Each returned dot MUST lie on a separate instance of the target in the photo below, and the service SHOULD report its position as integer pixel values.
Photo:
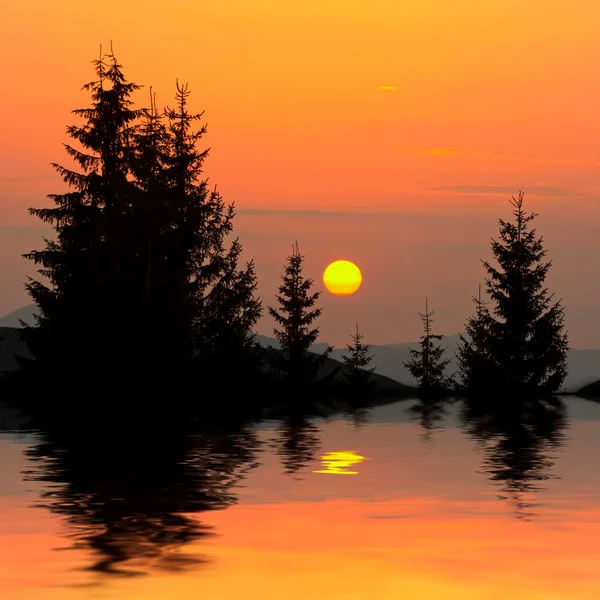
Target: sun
(342, 278)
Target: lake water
(407, 501)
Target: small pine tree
(473, 356)
(427, 364)
(357, 361)
(295, 317)
(520, 347)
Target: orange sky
(387, 106)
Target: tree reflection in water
(518, 439)
(429, 413)
(297, 443)
(129, 496)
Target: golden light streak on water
(338, 462)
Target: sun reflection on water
(337, 462)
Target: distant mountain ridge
(12, 318)
(584, 365)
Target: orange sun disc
(342, 278)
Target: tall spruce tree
(81, 313)
(427, 364)
(162, 324)
(220, 301)
(295, 318)
(520, 347)
(357, 361)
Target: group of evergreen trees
(518, 349)
(140, 275)
(143, 281)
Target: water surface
(407, 500)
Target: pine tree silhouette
(163, 320)
(83, 311)
(220, 296)
(520, 347)
(295, 317)
(427, 364)
(473, 356)
(357, 361)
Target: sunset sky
(390, 133)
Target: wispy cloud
(387, 88)
(445, 151)
(299, 212)
(28, 178)
(460, 152)
(534, 190)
